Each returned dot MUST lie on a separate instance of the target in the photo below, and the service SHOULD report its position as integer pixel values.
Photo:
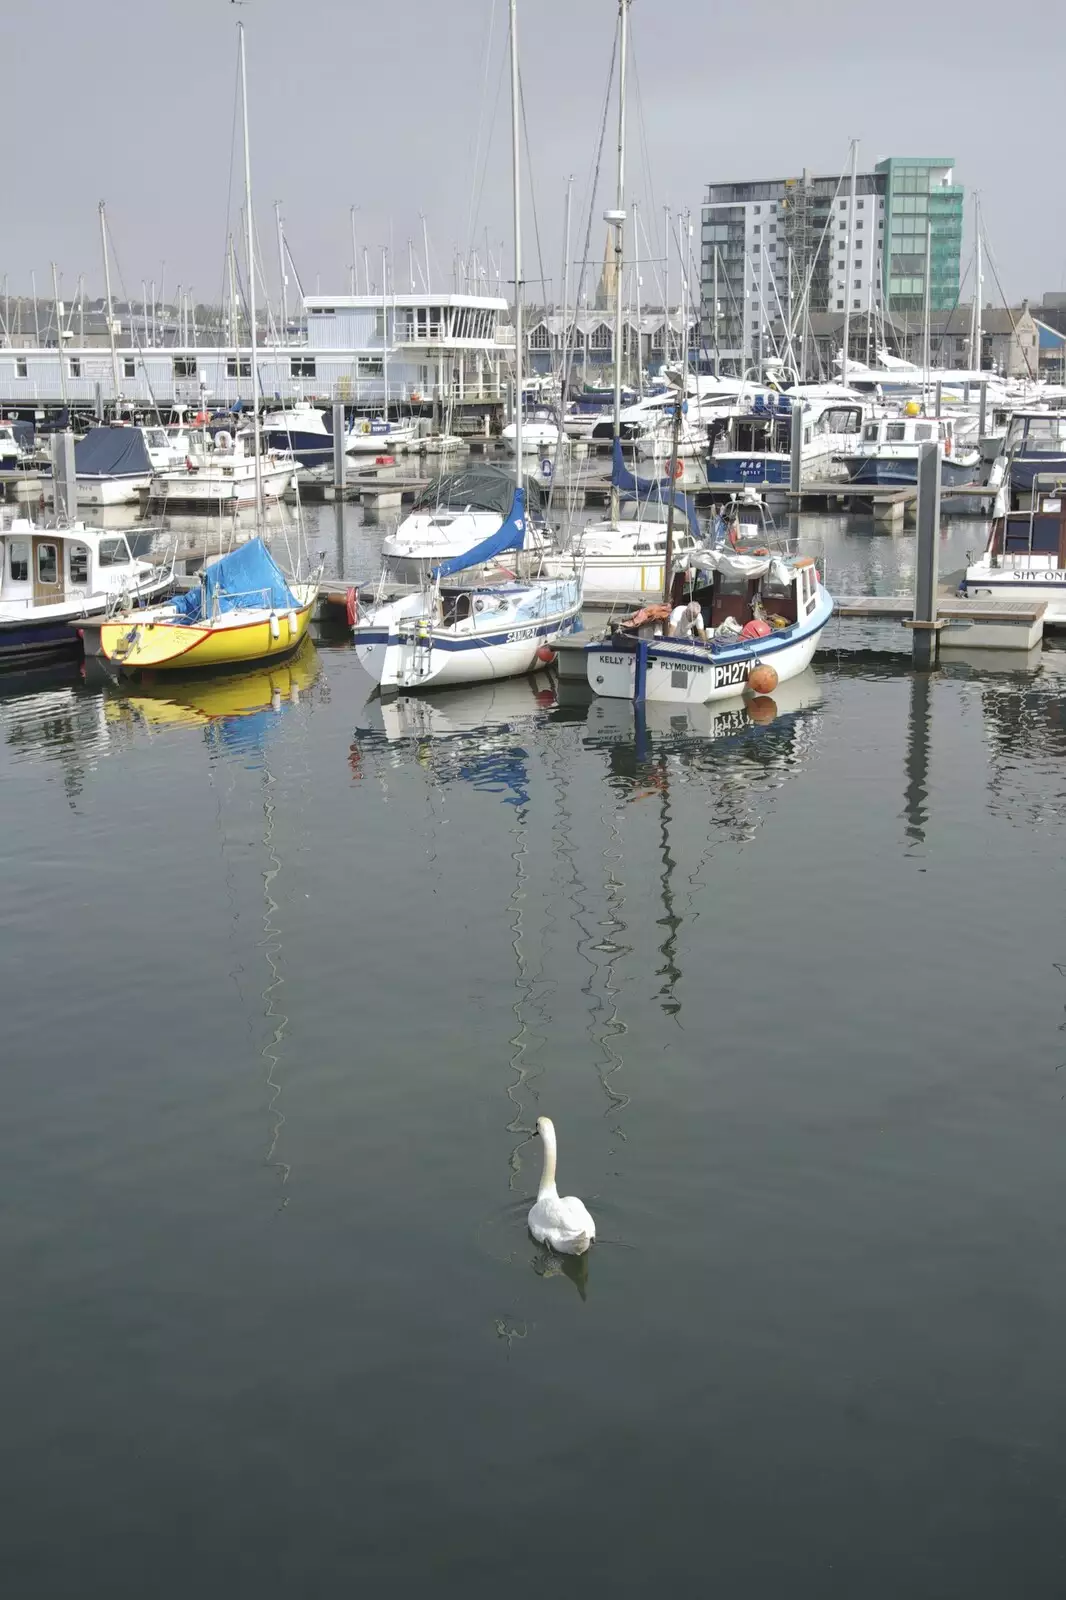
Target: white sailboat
(499, 624)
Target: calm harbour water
(289, 978)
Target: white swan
(563, 1224)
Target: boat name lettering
(518, 634)
(1048, 575)
(615, 661)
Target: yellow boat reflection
(175, 702)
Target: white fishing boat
(490, 626)
(540, 433)
(16, 445)
(751, 442)
(756, 621)
(378, 436)
(304, 431)
(455, 513)
(1025, 558)
(52, 579)
(220, 471)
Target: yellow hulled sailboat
(245, 610)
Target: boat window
(113, 553)
(19, 560)
(923, 430)
(47, 564)
(1040, 432)
(79, 563)
(869, 433)
(896, 430)
(155, 438)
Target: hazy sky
(379, 105)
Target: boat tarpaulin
(476, 488)
(661, 489)
(510, 535)
(248, 577)
(112, 453)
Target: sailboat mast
(282, 274)
(516, 180)
(620, 212)
(385, 332)
(107, 291)
(251, 279)
(978, 334)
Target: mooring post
(924, 634)
(982, 410)
(939, 396)
(796, 462)
(340, 460)
(64, 477)
(98, 401)
(640, 671)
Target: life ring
(352, 607)
(679, 469)
(947, 445)
(365, 428)
(803, 561)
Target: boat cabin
(45, 566)
(1039, 530)
(908, 433)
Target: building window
(756, 210)
(540, 338)
(843, 205)
(840, 305)
(323, 311)
(232, 365)
(129, 367)
(184, 366)
(856, 305)
(370, 367)
(858, 283)
(756, 228)
(858, 263)
(858, 224)
(75, 372)
(379, 324)
(600, 337)
(860, 204)
(21, 369)
(302, 367)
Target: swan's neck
(547, 1171)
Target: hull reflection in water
(456, 711)
(658, 720)
(198, 700)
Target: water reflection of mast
(271, 947)
(916, 793)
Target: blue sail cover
(246, 579)
(112, 453)
(510, 535)
(660, 489)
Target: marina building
(774, 246)
(442, 350)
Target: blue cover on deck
(112, 453)
(510, 535)
(247, 578)
(660, 489)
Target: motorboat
(53, 579)
(16, 445)
(378, 436)
(752, 442)
(454, 513)
(114, 464)
(1035, 445)
(1025, 558)
(305, 431)
(886, 454)
(760, 614)
(220, 470)
(540, 432)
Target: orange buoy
(546, 655)
(762, 709)
(762, 679)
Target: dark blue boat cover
(112, 453)
(245, 579)
(660, 489)
(510, 535)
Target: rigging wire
(480, 124)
